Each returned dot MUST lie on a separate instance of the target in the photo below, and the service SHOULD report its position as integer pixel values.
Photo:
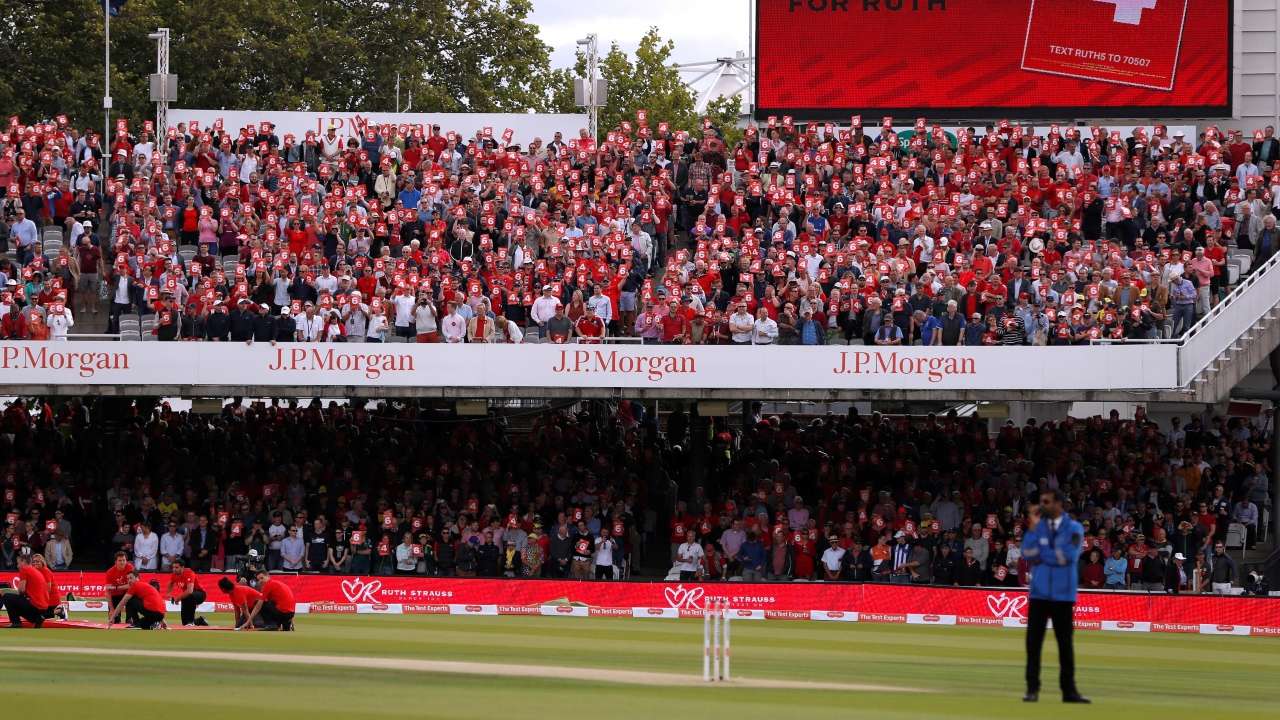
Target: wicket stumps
(715, 640)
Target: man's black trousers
(1062, 614)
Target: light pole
(160, 89)
(106, 83)
(592, 102)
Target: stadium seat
(1236, 534)
(1245, 259)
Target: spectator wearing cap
(900, 559)
(809, 330)
(1177, 578)
(241, 321)
(544, 309)
(888, 334)
(286, 327)
(558, 329)
(648, 323)
(215, 323)
(590, 328)
(264, 325)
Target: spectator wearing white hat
(544, 308)
(1176, 577)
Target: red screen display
(971, 58)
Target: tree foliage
(452, 56)
(724, 113)
(323, 55)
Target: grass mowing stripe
(978, 671)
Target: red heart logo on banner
(680, 597)
(1003, 606)
(357, 590)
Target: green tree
(451, 55)
(725, 113)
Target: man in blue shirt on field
(1051, 547)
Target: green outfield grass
(969, 672)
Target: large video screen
(826, 59)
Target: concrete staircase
(1236, 336)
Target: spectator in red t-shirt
(589, 327)
(276, 606)
(243, 600)
(184, 587)
(145, 601)
(32, 598)
(116, 584)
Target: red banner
(1026, 58)
(1139, 612)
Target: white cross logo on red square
(1129, 12)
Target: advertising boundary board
(1142, 366)
(839, 602)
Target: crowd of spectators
(337, 489)
(596, 492)
(891, 507)
(797, 234)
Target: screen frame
(1041, 112)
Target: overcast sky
(702, 30)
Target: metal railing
(1254, 296)
(1224, 324)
